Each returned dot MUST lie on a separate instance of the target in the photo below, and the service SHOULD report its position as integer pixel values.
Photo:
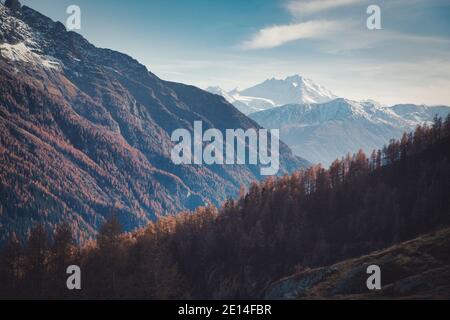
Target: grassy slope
(416, 269)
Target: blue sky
(234, 43)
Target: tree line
(312, 218)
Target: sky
(239, 43)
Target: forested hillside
(280, 226)
(85, 130)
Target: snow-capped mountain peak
(277, 92)
(293, 89)
(21, 44)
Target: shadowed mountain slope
(85, 133)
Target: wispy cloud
(339, 34)
(304, 7)
(278, 35)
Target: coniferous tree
(379, 161)
(11, 268)
(373, 160)
(437, 128)
(61, 255)
(447, 126)
(110, 256)
(335, 170)
(313, 218)
(36, 261)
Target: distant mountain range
(320, 127)
(324, 132)
(85, 133)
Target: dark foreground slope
(283, 226)
(416, 269)
(86, 132)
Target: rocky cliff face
(85, 132)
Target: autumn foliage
(313, 218)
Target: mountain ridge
(86, 133)
(323, 132)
